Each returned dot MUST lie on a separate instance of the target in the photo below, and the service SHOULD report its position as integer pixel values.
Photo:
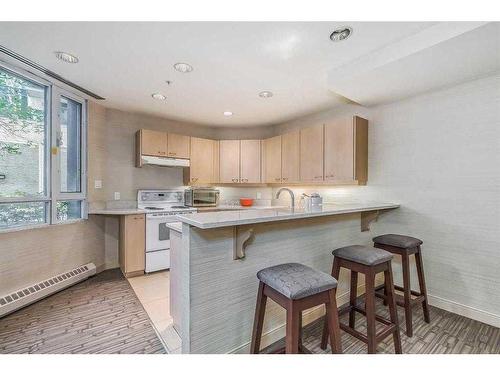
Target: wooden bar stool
(369, 261)
(296, 287)
(406, 246)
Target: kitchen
(180, 209)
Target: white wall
(438, 155)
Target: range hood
(164, 162)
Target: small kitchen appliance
(161, 206)
(201, 197)
(312, 201)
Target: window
(42, 149)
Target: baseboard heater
(25, 296)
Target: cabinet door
(132, 244)
(339, 150)
(250, 161)
(290, 150)
(311, 154)
(229, 161)
(178, 146)
(272, 159)
(153, 143)
(202, 160)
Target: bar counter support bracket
(367, 217)
(241, 237)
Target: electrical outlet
(117, 195)
(98, 184)
(259, 195)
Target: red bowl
(246, 202)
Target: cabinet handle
(318, 177)
(172, 153)
(277, 179)
(285, 178)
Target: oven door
(157, 233)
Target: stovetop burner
(153, 208)
(180, 207)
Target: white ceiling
(233, 62)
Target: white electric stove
(161, 207)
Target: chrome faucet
(292, 196)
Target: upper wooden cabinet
(250, 165)
(229, 161)
(271, 153)
(311, 154)
(153, 143)
(203, 162)
(290, 157)
(346, 150)
(240, 161)
(332, 153)
(156, 143)
(178, 146)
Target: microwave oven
(201, 197)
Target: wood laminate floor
(103, 315)
(99, 315)
(447, 333)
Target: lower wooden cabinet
(132, 244)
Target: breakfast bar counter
(206, 220)
(216, 256)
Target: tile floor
(153, 291)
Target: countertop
(177, 226)
(117, 211)
(207, 220)
(135, 211)
(227, 207)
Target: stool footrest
(399, 298)
(353, 332)
(389, 328)
(346, 309)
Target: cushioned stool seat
(296, 288)
(296, 281)
(368, 256)
(398, 240)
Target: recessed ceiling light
(183, 67)
(158, 96)
(228, 113)
(265, 94)
(66, 57)
(341, 34)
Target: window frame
(52, 173)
